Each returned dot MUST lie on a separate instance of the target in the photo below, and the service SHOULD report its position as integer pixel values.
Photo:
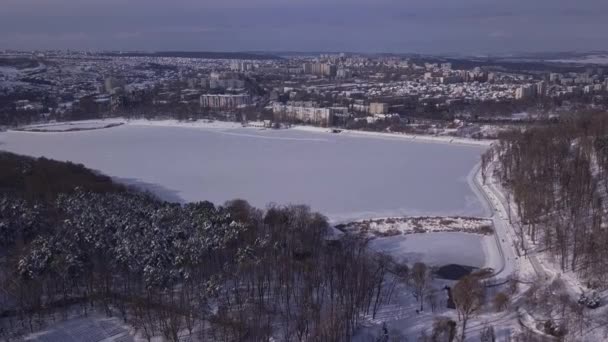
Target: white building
(241, 66)
(378, 108)
(225, 101)
(311, 115)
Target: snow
(418, 138)
(410, 225)
(202, 124)
(93, 328)
(348, 176)
(591, 59)
(345, 176)
(73, 126)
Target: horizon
(276, 53)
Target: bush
(501, 301)
(486, 230)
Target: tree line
(557, 177)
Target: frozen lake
(345, 176)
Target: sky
(399, 26)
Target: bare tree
(444, 330)
(487, 334)
(420, 280)
(501, 301)
(468, 296)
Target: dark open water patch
(454, 272)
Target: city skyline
(438, 26)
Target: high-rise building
(541, 88)
(524, 92)
(343, 73)
(554, 77)
(241, 66)
(328, 70)
(307, 68)
(321, 69)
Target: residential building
(541, 88)
(310, 115)
(343, 73)
(225, 101)
(524, 92)
(241, 66)
(321, 69)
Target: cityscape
(419, 94)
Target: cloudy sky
(426, 26)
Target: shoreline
(216, 124)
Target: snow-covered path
(500, 203)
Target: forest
(557, 179)
(71, 239)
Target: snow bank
(72, 126)
(207, 124)
(412, 137)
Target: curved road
(503, 230)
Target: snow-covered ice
(438, 249)
(346, 177)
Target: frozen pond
(345, 176)
(438, 249)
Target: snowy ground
(409, 225)
(413, 137)
(496, 251)
(84, 329)
(345, 176)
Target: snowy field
(345, 176)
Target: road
(504, 242)
(500, 203)
(505, 230)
